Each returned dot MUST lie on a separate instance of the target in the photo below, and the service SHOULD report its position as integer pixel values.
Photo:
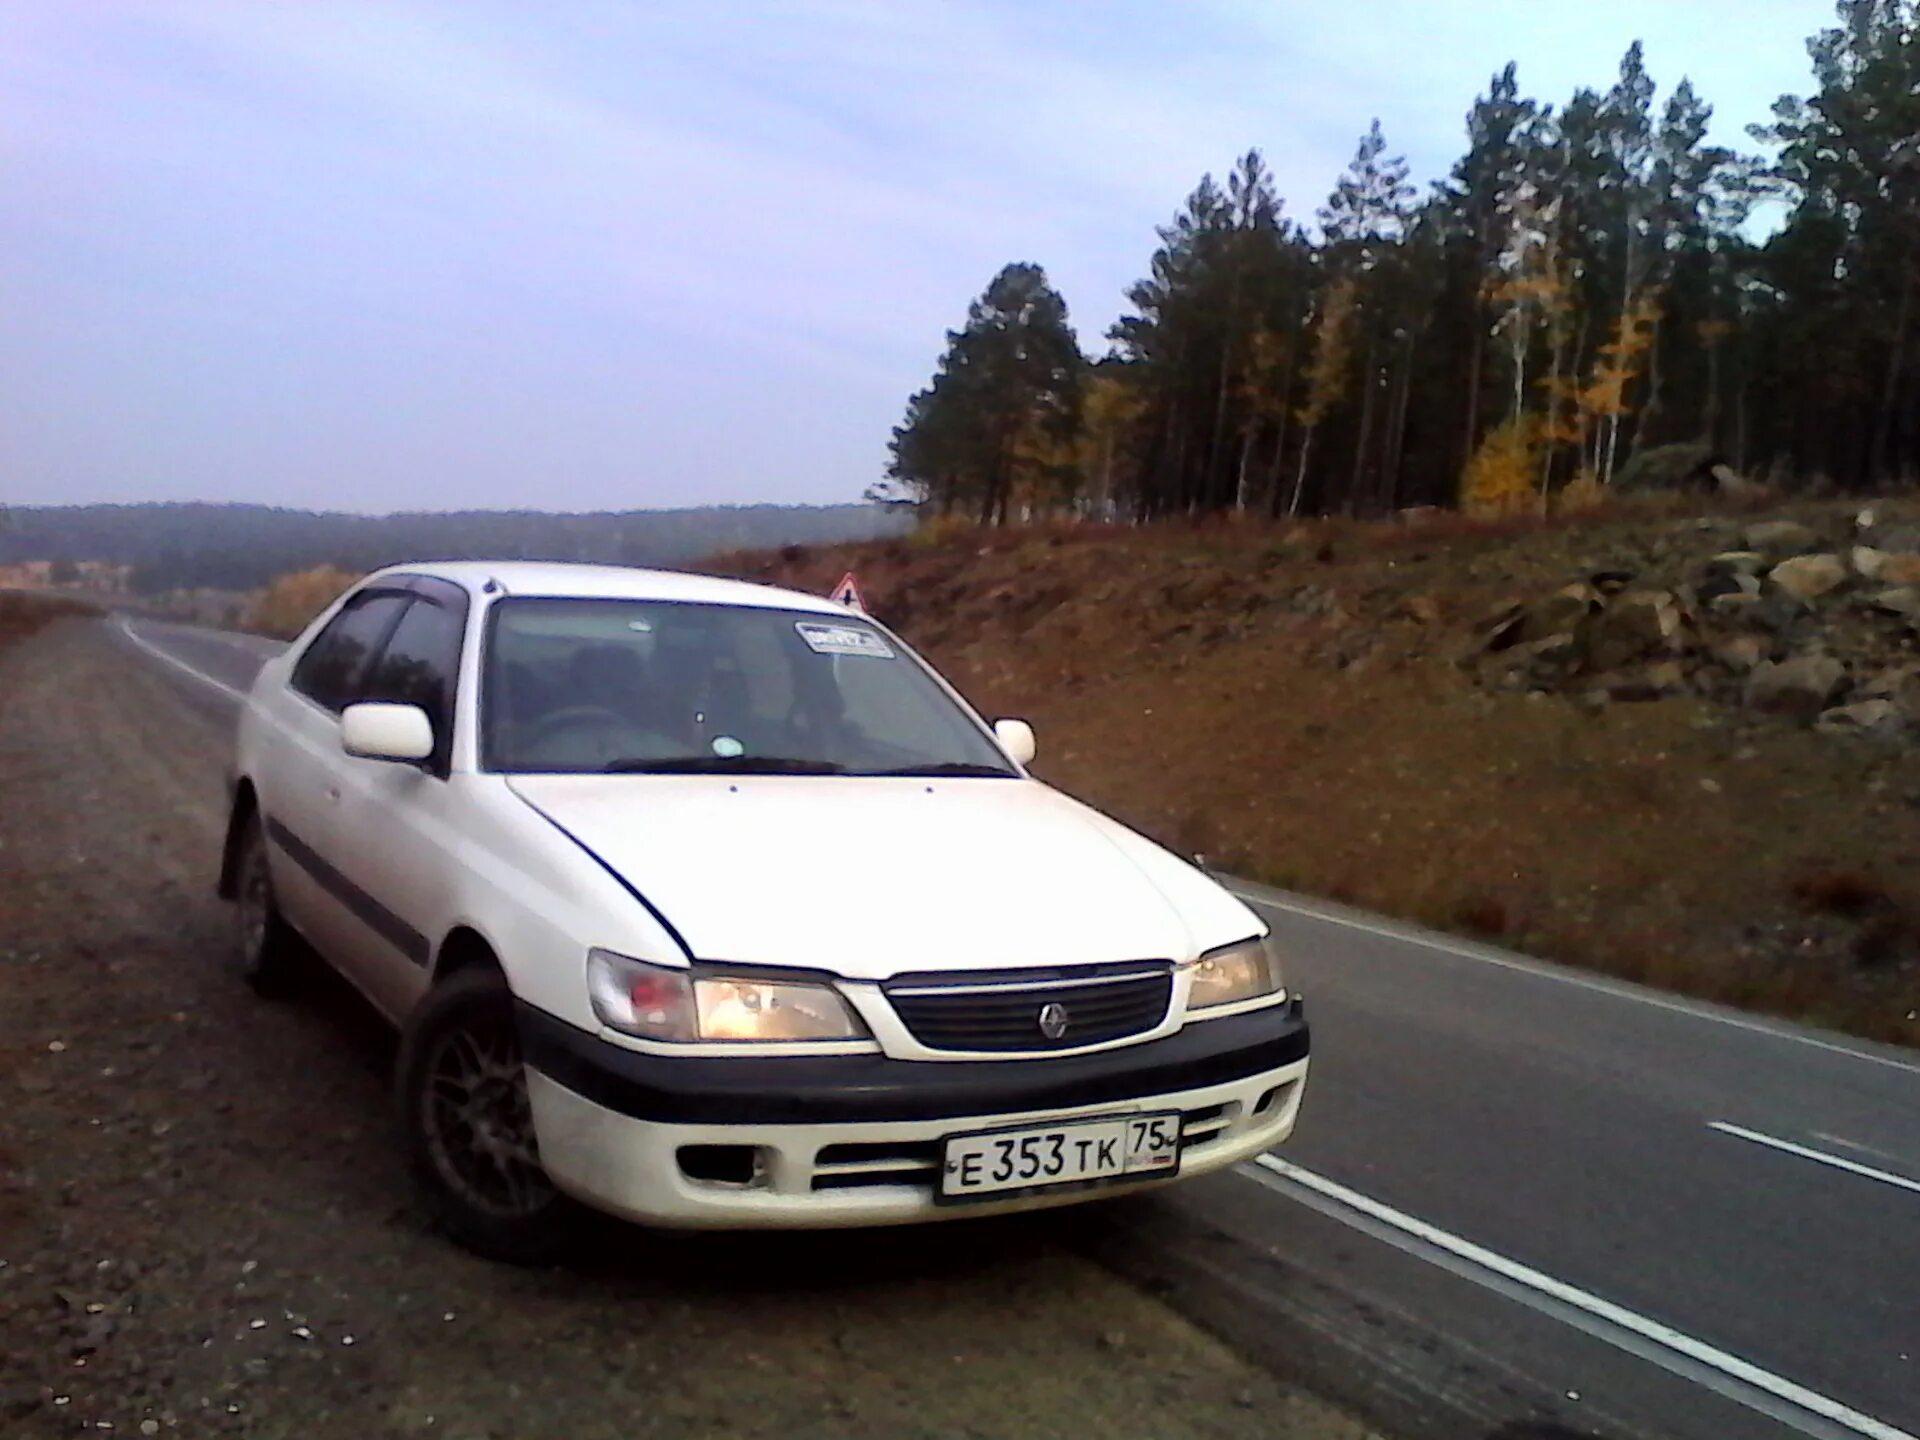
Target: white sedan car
(711, 904)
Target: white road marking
(1846, 1144)
(1263, 896)
(177, 663)
(1838, 1162)
(1618, 1324)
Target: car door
(299, 774)
(396, 824)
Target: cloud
(360, 252)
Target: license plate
(1072, 1152)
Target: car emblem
(1053, 1020)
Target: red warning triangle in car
(847, 592)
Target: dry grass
(21, 613)
(286, 606)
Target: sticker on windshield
(728, 748)
(843, 640)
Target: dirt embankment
(205, 1228)
(1314, 706)
(22, 614)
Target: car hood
(874, 876)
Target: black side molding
(825, 1089)
(369, 911)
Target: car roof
(560, 580)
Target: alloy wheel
(478, 1122)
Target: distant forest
(1592, 297)
(242, 547)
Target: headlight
(1246, 971)
(656, 1003)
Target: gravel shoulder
(205, 1227)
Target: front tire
(468, 1126)
(267, 950)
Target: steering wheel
(572, 717)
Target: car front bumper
(856, 1139)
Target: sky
(639, 253)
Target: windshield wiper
(944, 767)
(723, 765)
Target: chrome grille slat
(1022, 985)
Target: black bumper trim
(827, 1089)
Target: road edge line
(1805, 1152)
(1611, 1316)
(177, 663)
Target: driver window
(889, 712)
(329, 672)
(418, 667)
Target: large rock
(1535, 664)
(1638, 624)
(1900, 539)
(1798, 688)
(1890, 683)
(1898, 569)
(1881, 719)
(1561, 613)
(1808, 577)
(1867, 561)
(1741, 653)
(1780, 538)
(1779, 612)
(1903, 601)
(1496, 629)
(1719, 581)
(1608, 583)
(1737, 562)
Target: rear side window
(329, 672)
(419, 665)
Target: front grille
(1004, 1009)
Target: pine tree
(1584, 284)
(996, 425)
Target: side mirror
(1016, 738)
(374, 730)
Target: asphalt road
(1526, 1202)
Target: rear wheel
(267, 950)
(468, 1125)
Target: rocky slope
(1810, 622)
(1668, 744)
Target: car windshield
(638, 687)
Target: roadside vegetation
(284, 607)
(1593, 299)
(22, 615)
